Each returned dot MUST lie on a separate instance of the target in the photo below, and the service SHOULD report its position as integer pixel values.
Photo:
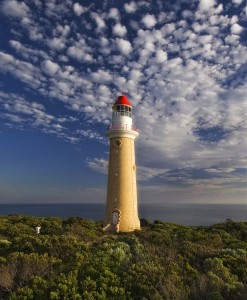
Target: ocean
(185, 214)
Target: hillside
(74, 259)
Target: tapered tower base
(121, 211)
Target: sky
(183, 66)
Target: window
(117, 143)
(123, 110)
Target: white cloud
(78, 53)
(135, 75)
(149, 21)
(64, 87)
(236, 29)
(12, 118)
(99, 165)
(232, 39)
(219, 9)
(27, 52)
(124, 46)
(101, 76)
(167, 29)
(206, 4)
(237, 2)
(130, 7)
(187, 13)
(62, 30)
(98, 20)
(56, 43)
(32, 28)
(220, 170)
(205, 39)
(57, 10)
(75, 52)
(195, 191)
(104, 42)
(91, 135)
(50, 67)
(234, 19)
(21, 110)
(113, 13)
(197, 27)
(22, 70)
(161, 56)
(146, 173)
(15, 44)
(14, 8)
(78, 9)
(28, 114)
(119, 30)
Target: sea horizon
(184, 214)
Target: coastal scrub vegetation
(74, 259)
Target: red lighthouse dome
(122, 100)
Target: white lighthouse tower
(121, 208)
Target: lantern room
(122, 114)
(122, 107)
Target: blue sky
(182, 64)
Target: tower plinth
(121, 206)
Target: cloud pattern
(183, 65)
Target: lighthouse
(121, 206)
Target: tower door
(115, 218)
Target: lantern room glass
(122, 110)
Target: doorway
(115, 218)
